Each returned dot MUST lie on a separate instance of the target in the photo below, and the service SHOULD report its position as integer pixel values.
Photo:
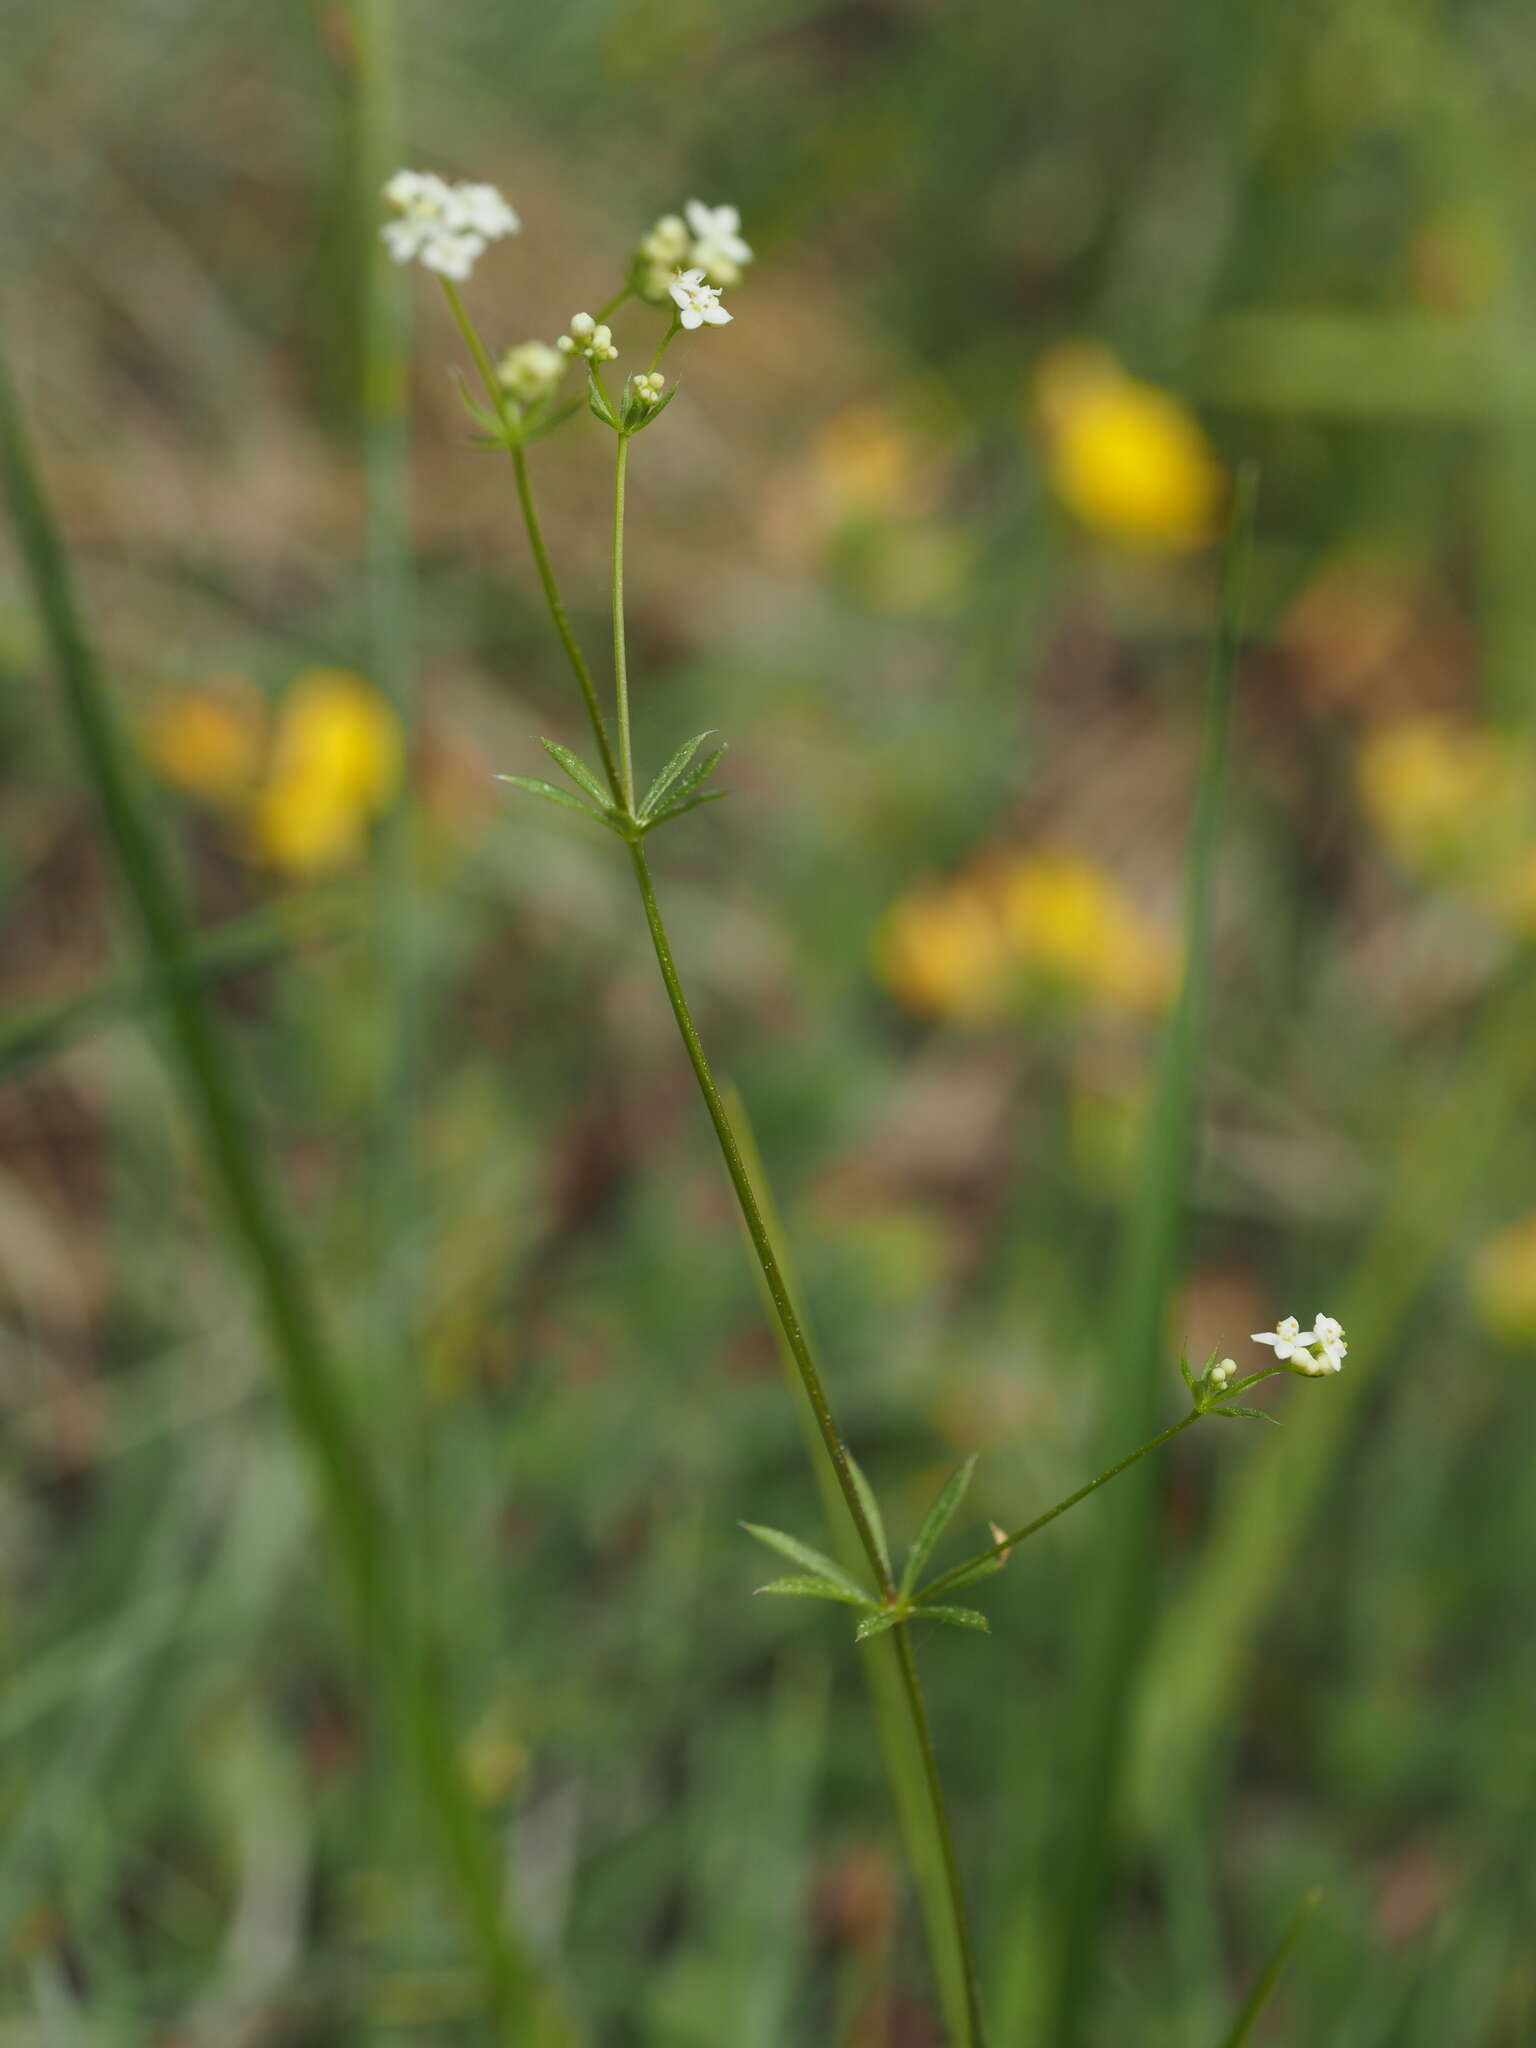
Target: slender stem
(757, 1231)
(1005, 1543)
(557, 611)
(794, 1335)
(917, 1706)
(620, 665)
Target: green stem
(557, 611)
(1006, 1543)
(917, 1707)
(620, 665)
(798, 1347)
(1155, 1443)
(778, 1289)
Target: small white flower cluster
(447, 228)
(530, 371)
(708, 240)
(1320, 1349)
(588, 337)
(1221, 1373)
(698, 304)
(648, 387)
(718, 249)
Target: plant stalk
(752, 1216)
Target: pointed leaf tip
(810, 1559)
(935, 1523)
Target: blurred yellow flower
(1072, 924)
(207, 741)
(1041, 923)
(306, 782)
(1428, 784)
(943, 951)
(1503, 1282)
(336, 763)
(1455, 803)
(1127, 459)
(866, 460)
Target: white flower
(588, 337)
(698, 303)
(447, 228)
(667, 242)
(1318, 1350)
(483, 211)
(648, 387)
(530, 371)
(718, 248)
(1329, 1336)
(1222, 1372)
(1288, 1338)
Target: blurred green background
(926, 536)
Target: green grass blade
(307, 1368)
(1117, 1622)
(263, 937)
(1269, 1977)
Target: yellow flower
(1126, 458)
(1456, 803)
(336, 763)
(943, 951)
(866, 460)
(1071, 925)
(1042, 923)
(1503, 1282)
(208, 742)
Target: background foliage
(939, 576)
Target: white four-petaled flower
(698, 304)
(447, 228)
(1320, 1349)
(718, 248)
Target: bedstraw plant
(675, 283)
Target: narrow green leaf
(697, 773)
(712, 796)
(871, 1507)
(957, 1617)
(877, 1623)
(1253, 1414)
(597, 403)
(935, 1523)
(1189, 1378)
(551, 794)
(671, 772)
(477, 412)
(812, 1560)
(578, 771)
(539, 424)
(815, 1589)
(1264, 1990)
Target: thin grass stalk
(258, 938)
(1269, 1977)
(522, 2009)
(1118, 1620)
